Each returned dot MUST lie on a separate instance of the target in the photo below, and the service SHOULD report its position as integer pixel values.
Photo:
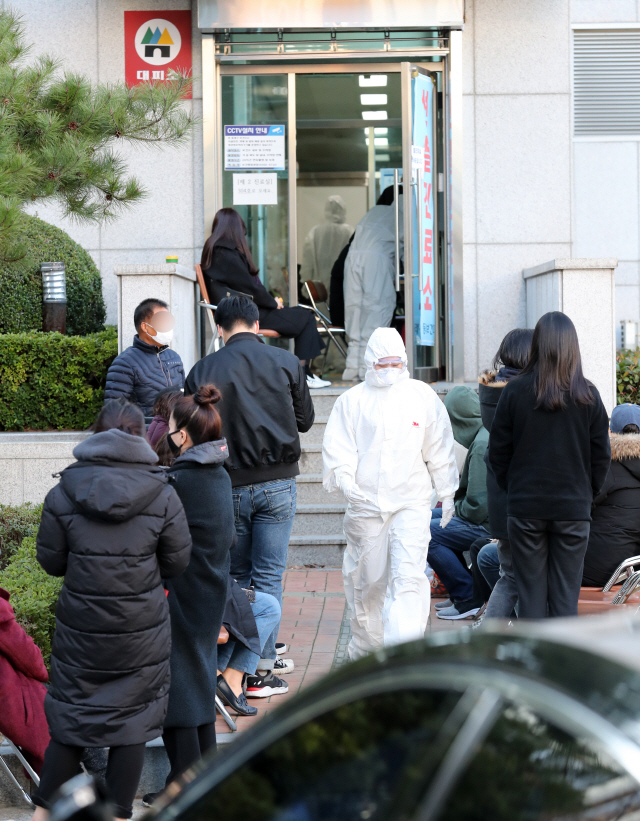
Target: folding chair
(225, 715)
(32, 773)
(325, 323)
(594, 600)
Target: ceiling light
(372, 80)
(383, 141)
(374, 115)
(373, 99)
(380, 130)
(382, 158)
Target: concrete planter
(28, 460)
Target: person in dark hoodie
(114, 528)
(471, 518)
(615, 516)
(512, 356)
(549, 450)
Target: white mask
(164, 337)
(385, 377)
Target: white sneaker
(321, 383)
(283, 666)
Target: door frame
(214, 70)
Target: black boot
(229, 699)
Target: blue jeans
(267, 612)
(489, 563)
(445, 553)
(264, 518)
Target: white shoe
(283, 666)
(321, 383)
(349, 374)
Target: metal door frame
(214, 69)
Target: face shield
(385, 358)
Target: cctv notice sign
(156, 43)
(259, 147)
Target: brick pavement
(315, 625)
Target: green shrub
(53, 381)
(628, 376)
(21, 282)
(33, 595)
(16, 523)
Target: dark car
(540, 721)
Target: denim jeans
(445, 553)
(489, 563)
(266, 611)
(504, 595)
(264, 518)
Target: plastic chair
(32, 773)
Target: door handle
(396, 205)
(420, 230)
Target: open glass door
(424, 262)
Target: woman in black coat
(228, 269)
(113, 527)
(549, 449)
(197, 599)
(511, 358)
(615, 516)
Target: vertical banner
(422, 139)
(155, 43)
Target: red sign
(155, 43)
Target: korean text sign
(254, 146)
(424, 313)
(156, 43)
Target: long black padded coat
(197, 598)
(113, 527)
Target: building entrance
(347, 131)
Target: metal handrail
(396, 206)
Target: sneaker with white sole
(462, 610)
(281, 648)
(283, 666)
(442, 605)
(263, 686)
(314, 381)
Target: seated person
(470, 522)
(227, 264)
(161, 411)
(615, 515)
(250, 617)
(149, 365)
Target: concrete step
(310, 491)
(324, 551)
(316, 434)
(324, 399)
(311, 459)
(318, 519)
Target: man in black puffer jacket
(141, 371)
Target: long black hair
(556, 363)
(514, 349)
(228, 225)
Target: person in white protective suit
(325, 241)
(369, 280)
(386, 441)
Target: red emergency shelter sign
(155, 43)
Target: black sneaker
(283, 666)
(281, 648)
(263, 686)
(149, 798)
(230, 699)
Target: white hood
(383, 342)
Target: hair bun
(207, 395)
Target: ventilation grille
(606, 82)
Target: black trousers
(547, 565)
(124, 768)
(299, 323)
(186, 745)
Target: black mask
(175, 449)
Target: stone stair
(317, 537)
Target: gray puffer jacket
(141, 372)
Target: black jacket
(112, 527)
(336, 287)
(229, 269)
(490, 385)
(265, 402)
(140, 372)
(197, 599)
(551, 463)
(615, 516)
(238, 617)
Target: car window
(528, 769)
(365, 760)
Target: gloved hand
(351, 491)
(448, 509)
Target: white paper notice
(417, 157)
(255, 189)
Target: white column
(173, 284)
(584, 289)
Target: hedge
(21, 282)
(16, 523)
(34, 595)
(48, 380)
(628, 376)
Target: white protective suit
(383, 447)
(325, 241)
(369, 282)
